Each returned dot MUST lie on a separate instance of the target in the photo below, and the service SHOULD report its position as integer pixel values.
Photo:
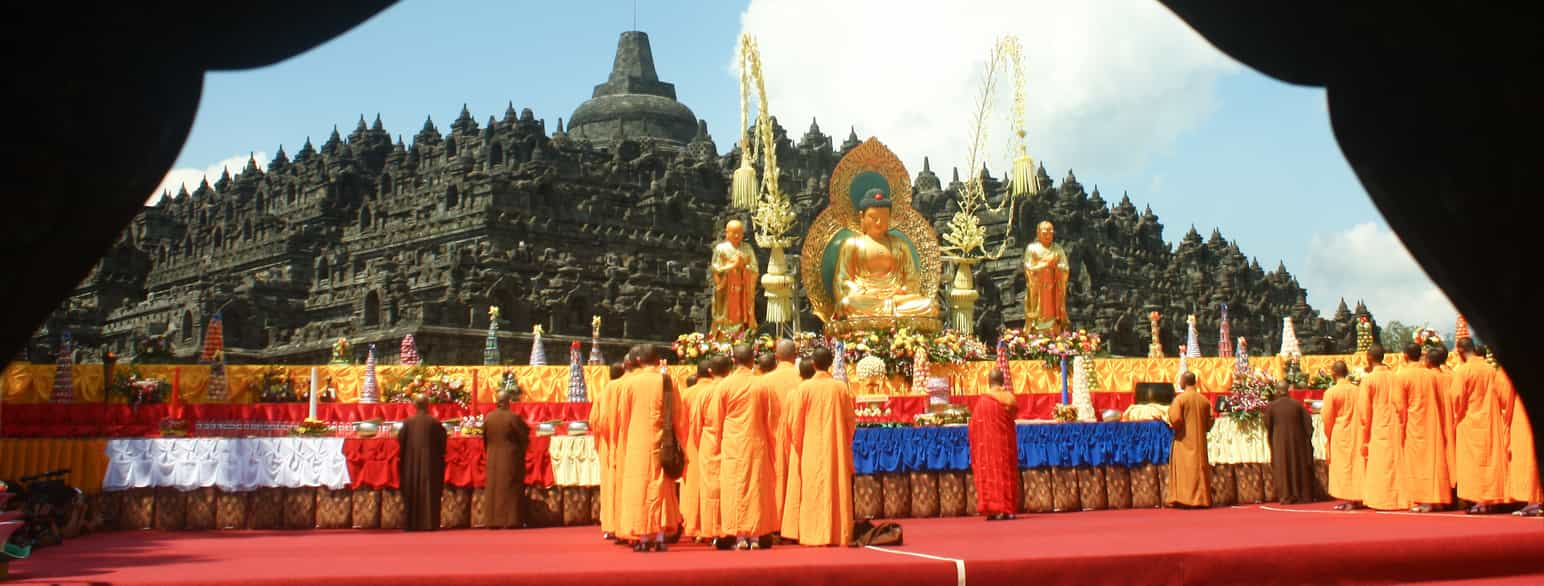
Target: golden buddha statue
(734, 280)
(876, 275)
(1045, 278)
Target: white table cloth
(574, 460)
(231, 464)
(1231, 442)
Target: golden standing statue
(876, 275)
(734, 281)
(1045, 274)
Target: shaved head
(787, 351)
(744, 355)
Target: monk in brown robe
(1481, 435)
(822, 420)
(1342, 439)
(1522, 470)
(421, 468)
(691, 475)
(1382, 435)
(505, 439)
(1423, 471)
(747, 491)
(603, 425)
(779, 383)
(1289, 431)
(994, 450)
(1189, 475)
(646, 499)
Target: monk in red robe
(747, 482)
(822, 420)
(1382, 436)
(994, 450)
(1342, 439)
(646, 499)
(1481, 434)
(1522, 470)
(1423, 471)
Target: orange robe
(691, 475)
(1481, 435)
(1419, 404)
(780, 383)
(1449, 397)
(646, 500)
(1522, 470)
(1383, 435)
(1189, 475)
(708, 421)
(822, 421)
(747, 483)
(603, 425)
(1342, 438)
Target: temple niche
(375, 236)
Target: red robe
(994, 453)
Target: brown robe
(421, 471)
(1289, 430)
(1189, 475)
(505, 438)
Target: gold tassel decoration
(744, 185)
(1023, 181)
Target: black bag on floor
(866, 533)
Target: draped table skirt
(229, 464)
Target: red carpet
(1309, 544)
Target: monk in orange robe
(1189, 474)
(1342, 438)
(708, 418)
(1522, 470)
(779, 383)
(1449, 400)
(747, 483)
(1481, 434)
(647, 496)
(1422, 470)
(1382, 436)
(822, 419)
(602, 425)
(691, 475)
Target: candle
(313, 393)
(176, 392)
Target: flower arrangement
(871, 367)
(1065, 413)
(431, 382)
(898, 348)
(312, 427)
(138, 390)
(1292, 372)
(1427, 338)
(273, 386)
(1049, 348)
(1249, 396)
(1321, 380)
(471, 426)
(175, 427)
(696, 347)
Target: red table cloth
(372, 462)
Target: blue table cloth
(938, 449)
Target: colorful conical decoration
(64, 374)
(1363, 334)
(1180, 372)
(1002, 363)
(839, 362)
(595, 356)
(1192, 341)
(1289, 345)
(1224, 335)
(409, 355)
(1082, 398)
(214, 356)
(1461, 329)
(538, 354)
(370, 392)
(577, 393)
(491, 346)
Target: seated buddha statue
(876, 275)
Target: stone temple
(373, 238)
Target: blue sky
(1120, 91)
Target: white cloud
(177, 178)
(1112, 81)
(1368, 262)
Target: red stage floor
(1253, 544)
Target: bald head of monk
(1283, 389)
(1466, 349)
(744, 355)
(502, 399)
(618, 369)
(721, 365)
(648, 356)
(787, 351)
(1187, 381)
(1412, 352)
(822, 358)
(766, 363)
(1374, 355)
(1339, 370)
(995, 378)
(1436, 356)
(421, 402)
